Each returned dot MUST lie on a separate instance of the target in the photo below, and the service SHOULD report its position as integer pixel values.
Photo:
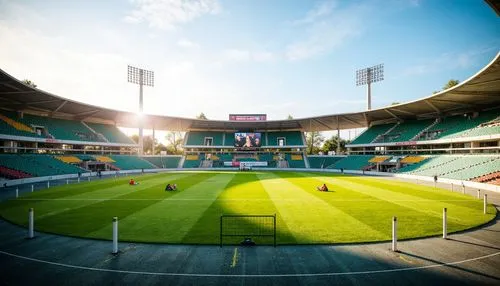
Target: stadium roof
(481, 91)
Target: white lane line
(250, 275)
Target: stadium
(411, 200)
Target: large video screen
(247, 140)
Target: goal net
(237, 227)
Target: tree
(289, 117)
(395, 103)
(314, 140)
(174, 142)
(29, 82)
(135, 138)
(331, 145)
(450, 83)
(147, 142)
(201, 116)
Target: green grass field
(357, 209)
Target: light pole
(367, 76)
(141, 77)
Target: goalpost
(248, 226)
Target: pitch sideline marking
(249, 275)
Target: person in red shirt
(323, 188)
(132, 182)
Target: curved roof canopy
(479, 92)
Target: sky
(218, 57)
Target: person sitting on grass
(323, 188)
(171, 187)
(132, 182)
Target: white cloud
(326, 27)
(167, 14)
(446, 61)
(185, 43)
(263, 56)
(320, 10)
(238, 55)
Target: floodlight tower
(141, 77)
(367, 76)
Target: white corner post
(445, 233)
(17, 193)
(32, 188)
(452, 187)
(31, 223)
(67, 182)
(394, 234)
(479, 194)
(48, 184)
(115, 235)
(485, 207)
(88, 178)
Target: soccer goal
(247, 226)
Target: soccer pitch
(357, 209)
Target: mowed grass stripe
(427, 192)
(169, 221)
(458, 217)
(51, 206)
(314, 220)
(244, 195)
(84, 187)
(370, 210)
(88, 219)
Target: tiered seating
(292, 138)
(473, 166)
(37, 165)
(455, 166)
(17, 125)
(130, 162)
(192, 161)
(427, 165)
(246, 159)
(295, 161)
(371, 133)
(164, 161)
(405, 131)
(7, 126)
(266, 157)
(353, 162)
(459, 125)
(86, 157)
(197, 138)
(488, 178)
(379, 159)
(225, 157)
(62, 129)
(12, 174)
(319, 162)
(69, 159)
(412, 159)
(104, 159)
(111, 132)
